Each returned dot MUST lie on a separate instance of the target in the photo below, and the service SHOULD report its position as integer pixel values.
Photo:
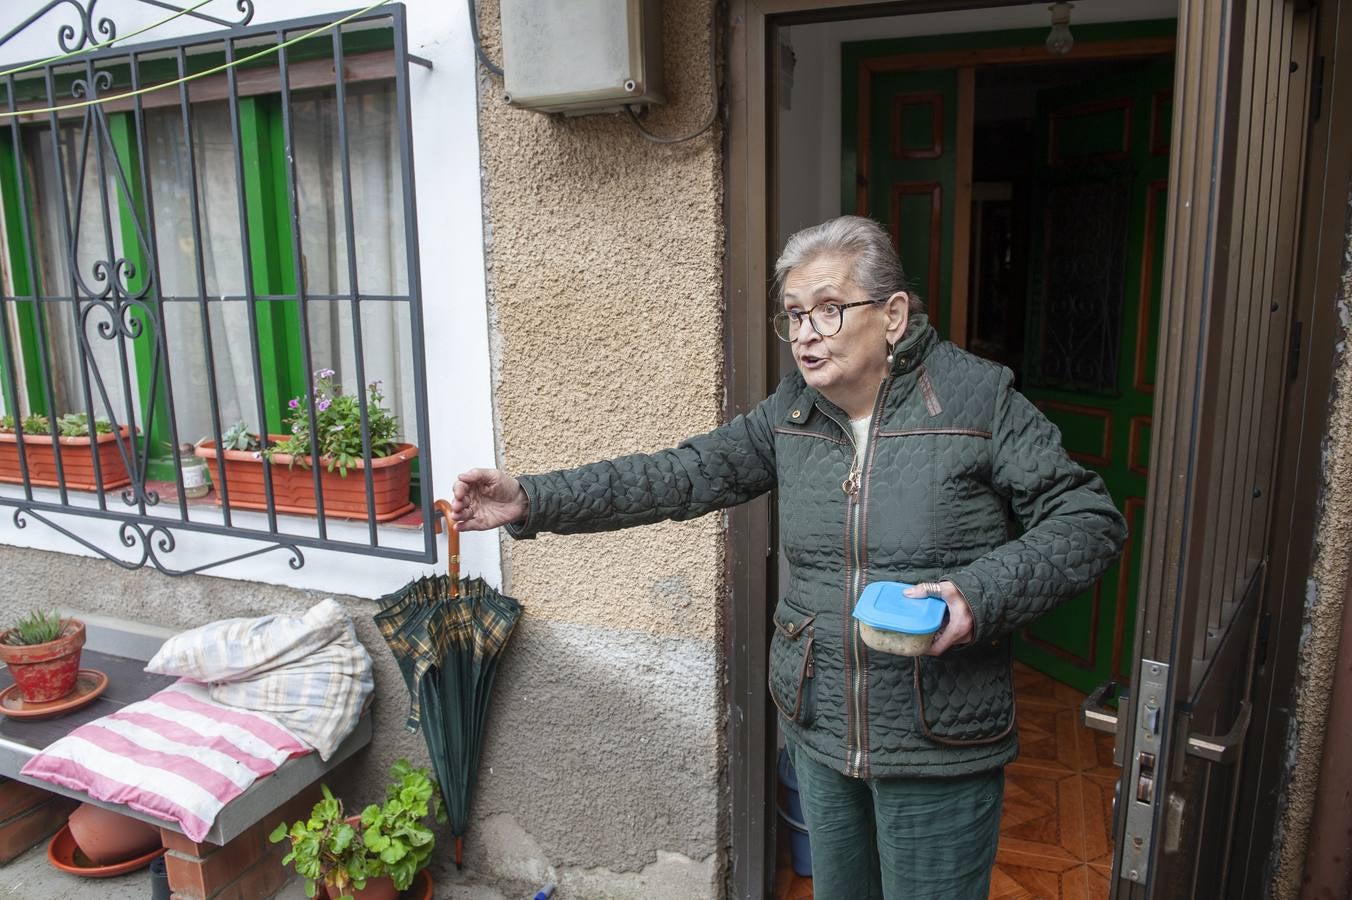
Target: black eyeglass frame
(787, 317)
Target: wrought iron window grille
(117, 297)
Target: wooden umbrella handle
(443, 511)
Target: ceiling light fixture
(1059, 39)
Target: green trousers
(899, 838)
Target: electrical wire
(713, 85)
(108, 43)
(478, 45)
(215, 70)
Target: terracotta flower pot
(422, 888)
(377, 889)
(383, 888)
(107, 837)
(77, 461)
(293, 486)
(45, 672)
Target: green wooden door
(1095, 267)
(909, 186)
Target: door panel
(1093, 313)
(911, 156)
(1240, 93)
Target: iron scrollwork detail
(154, 541)
(92, 29)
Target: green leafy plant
(338, 425)
(35, 628)
(237, 437)
(77, 425)
(31, 424)
(393, 838)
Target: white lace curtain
(377, 202)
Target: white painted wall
(446, 158)
(809, 132)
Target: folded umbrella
(447, 635)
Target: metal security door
(1241, 101)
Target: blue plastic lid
(883, 605)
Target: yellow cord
(108, 43)
(196, 75)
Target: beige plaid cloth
(308, 671)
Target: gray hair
(874, 267)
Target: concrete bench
(235, 859)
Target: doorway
(1242, 105)
(1024, 193)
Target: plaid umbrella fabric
(447, 635)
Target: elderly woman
(897, 457)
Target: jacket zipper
(855, 763)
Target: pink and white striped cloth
(177, 755)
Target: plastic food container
(891, 622)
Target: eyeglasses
(826, 319)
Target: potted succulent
(42, 652)
(374, 855)
(78, 449)
(339, 454)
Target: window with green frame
(223, 230)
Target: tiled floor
(1054, 837)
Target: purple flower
(324, 373)
(295, 403)
(324, 404)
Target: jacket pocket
(792, 663)
(967, 698)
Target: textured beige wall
(1324, 593)
(604, 257)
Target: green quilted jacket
(964, 479)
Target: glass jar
(193, 468)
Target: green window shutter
(270, 259)
(29, 374)
(157, 435)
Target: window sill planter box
(293, 487)
(77, 460)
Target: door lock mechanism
(1145, 778)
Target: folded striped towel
(177, 755)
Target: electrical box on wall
(582, 56)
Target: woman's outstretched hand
(486, 498)
(957, 627)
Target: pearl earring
(891, 352)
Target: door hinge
(1293, 364)
(1316, 89)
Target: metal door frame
(1323, 235)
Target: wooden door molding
(934, 223)
(957, 59)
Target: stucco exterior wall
(604, 257)
(1320, 637)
